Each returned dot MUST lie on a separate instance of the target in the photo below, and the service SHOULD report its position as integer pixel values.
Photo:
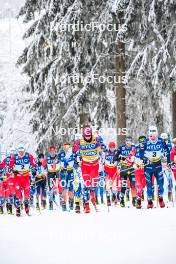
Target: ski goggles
(52, 152)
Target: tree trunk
(174, 114)
(120, 93)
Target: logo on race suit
(22, 161)
(91, 153)
(126, 152)
(109, 157)
(89, 146)
(154, 147)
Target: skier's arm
(142, 153)
(172, 154)
(166, 150)
(117, 155)
(32, 161)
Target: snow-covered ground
(119, 236)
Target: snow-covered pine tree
(151, 64)
(54, 56)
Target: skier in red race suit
(112, 176)
(139, 173)
(87, 149)
(9, 182)
(21, 163)
(173, 158)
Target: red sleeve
(172, 154)
(76, 145)
(3, 164)
(32, 160)
(44, 163)
(12, 162)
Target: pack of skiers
(82, 172)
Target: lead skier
(88, 149)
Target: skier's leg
(26, 188)
(86, 168)
(123, 179)
(38, 184)
(64, 183)
(148, 175)
(101, 185)
(11, 193)
(43, 193)
(50, 178)
(71, 189)
(160, 183)
(2, 198)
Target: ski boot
(96, 199)
(118, 196)
(134, 201)
(153, 197)
(37, 207)
(18, 212)
(50, 205)
(1, 210)
(77, 208)
(127, 197)
(7, 206)
(26, 206)
(115, 202)
(102, 201)
(108, 201)
(64, 208)
(170, 196)
(150, 204)
(10, 209)
(161, 202)
(43, 204)
(122, 203)
(113, 197)
(94, 204)
(71, 202)
(138, 204)
(32, 201)
(86, 208)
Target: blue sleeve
(166, 150)
(142, 151)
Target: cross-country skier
(173, 160)
(40, 181)
(152, 153)
(67, 161)
(126, 155)
(4, 192)
(53, 165)
(9, 181)
(21, 162)
(139, 172)
(88, 148)
(111, 173)
(99, 190)
(166, 170)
